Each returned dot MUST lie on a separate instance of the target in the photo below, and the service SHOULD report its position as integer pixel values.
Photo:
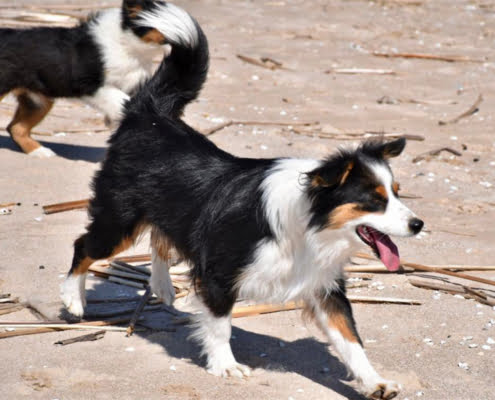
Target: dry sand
(420, 346)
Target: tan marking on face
(346, 173)
(153, 36)
(396, 188)
(318, 181)
(343, 214)
(382, 192)
(134, 11)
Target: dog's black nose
(415, 225)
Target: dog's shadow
(306, 357)
(65, 150)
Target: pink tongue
(388, 251)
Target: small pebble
(490, 341)
(464, 366)
(419, 393)
(467, 338)
(255, 78)
(173, 368)
(486, 347)
(129, 349)
(385, 327)
(39, 219)
(472, 345)
(459, 296)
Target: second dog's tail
(181, 74)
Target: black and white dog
(102, 61)
(265, 229)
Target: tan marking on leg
(128, 241)
(343, 214)
(338, 321)
(160, 243)
(29, 113)
(154, 36)
(396, 188)
(83, 266)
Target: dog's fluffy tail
(181, 74)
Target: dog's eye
(396, 188)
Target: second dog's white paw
(42, 152)
(236, 370)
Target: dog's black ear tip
(394, 148)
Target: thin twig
(425, 56)
(264, 62)
(146, 296)
(420, 267)
(228, 123)
(470, 111)
(360, 71)
(426, 155)
(69, 205)
(84, 338)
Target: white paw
(42, 152)
(236, 370)
(73, 299)
(381, 390)
(163, 288)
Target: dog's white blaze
(160, 282)
(299, 260)
(395, 220)
(213, 333)
(172, 22)
(73, 294)
(128, 61)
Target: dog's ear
(393, 149)
(330, 175)
(134, 7)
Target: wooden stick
(70, 205)
(147, 295)
(84, 338)
(382, 300)
(126, 282)
(9, 300)
(435, 152)
(12, 308)
(371, 268)
(40, 328)
(425, 56)
(355, 135)
(130, 268)
(113, 272)
(420, 267)
(356, 71)
(135, 258)
(265, 62)
(470, 111)
(225, 124)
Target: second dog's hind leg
(161, 283)
(31, 110)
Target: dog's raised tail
(181, 74)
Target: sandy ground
(420, 346)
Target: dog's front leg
(333, 314)
(213, 333)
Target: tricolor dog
(271, 230)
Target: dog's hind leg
(161, 283)
(31, 110)
(102, 240)
(333, 314)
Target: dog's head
(132, 18)
(356, 191)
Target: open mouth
(381, 244)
